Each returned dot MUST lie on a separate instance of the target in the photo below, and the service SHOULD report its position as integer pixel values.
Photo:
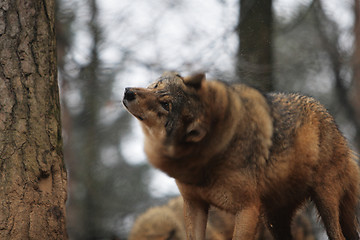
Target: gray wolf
(257, 156)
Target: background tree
(355, 94)
(32, 170)
(254, 56)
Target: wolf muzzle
(129, 95)
(130, 103)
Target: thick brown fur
(166, 222)
(253, 155)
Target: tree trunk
(254, 57)
(356, 68)
(32, 171)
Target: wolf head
(171, 109)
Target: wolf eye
(165, 105)
(157, 83)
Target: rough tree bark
(254, 56)
(32, 171)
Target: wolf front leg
(246, 223)
(195, 213)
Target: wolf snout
(129, 94)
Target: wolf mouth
(140, 118)
(125, 103)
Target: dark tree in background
(356, 70)
(254, 57)
(32, 170)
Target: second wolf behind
(167, 222)
(249, 154)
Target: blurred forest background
(307, 46)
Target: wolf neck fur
(226, 110)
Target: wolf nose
(129, 95)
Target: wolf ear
(195, 132)
(195, 80)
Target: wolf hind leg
(348, 220)
(327, 204)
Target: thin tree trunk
(356, 68)
(254, 57)
(90, 218)
(32, 171)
